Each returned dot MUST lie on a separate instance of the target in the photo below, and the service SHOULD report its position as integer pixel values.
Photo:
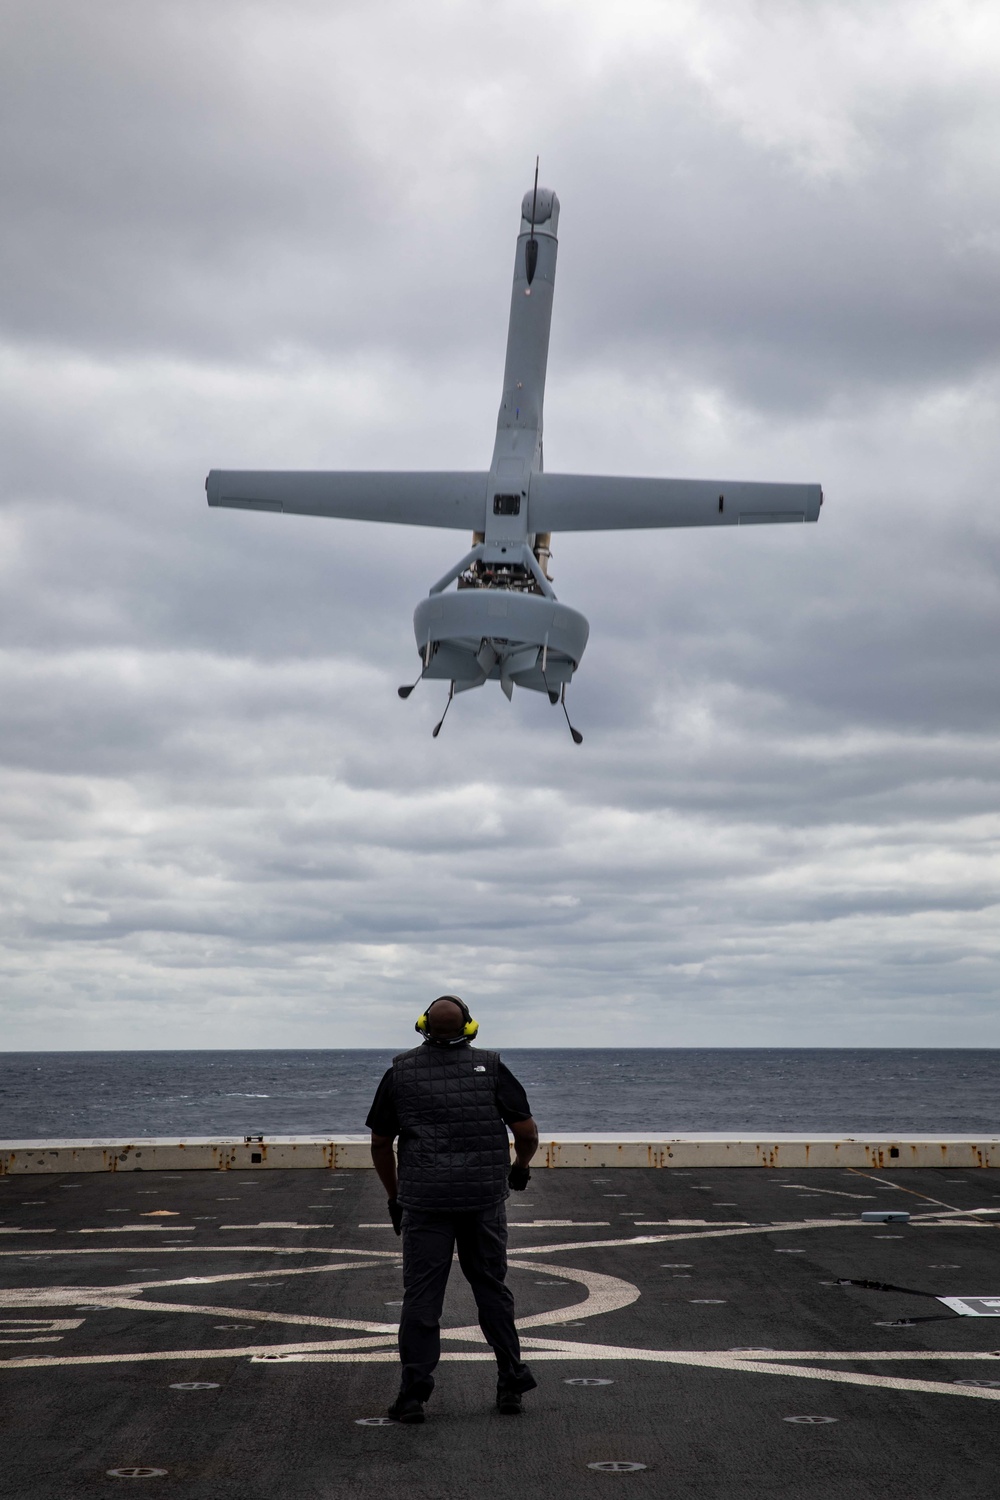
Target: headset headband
(469, 1030)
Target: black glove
(395, 1214)
(519, 1177)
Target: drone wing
(411, 499)
(588, 502)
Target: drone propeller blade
(487, 658)
(473, 682)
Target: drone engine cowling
(523, 639)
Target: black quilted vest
(454, 1152)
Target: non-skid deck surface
(237, 1332)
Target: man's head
(447, 1022)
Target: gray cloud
(234, 241)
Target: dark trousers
(429, 1241)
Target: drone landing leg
(577, 736)
(555, 698)
(437, 727)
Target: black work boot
(508, 1401)
(407, 1408)
(510, 1389)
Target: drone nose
(546, 212)
(545, 200)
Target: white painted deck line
(794, 1152)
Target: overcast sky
(241, 235)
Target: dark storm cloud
(239, 239)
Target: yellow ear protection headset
(469, 1030)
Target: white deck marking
(47, 1339)
(877, 1356)
(354, 1351)
(38, 1325)
(211, 1250)
(61, 1295)
(147, 1356)
(298, 1319)
(833, 1192)
(36, 1330)
(559, 1224)
(604, 1294)
(551, 1348)
(134, 1229)
(511, 1224)
(374, 1342)
(704, 1234)
(701, 1232)
(970, 1217)
(898, 1186)
(271, 1224)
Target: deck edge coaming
(569, 1149)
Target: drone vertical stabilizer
(517, 452)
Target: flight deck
(228, 1333)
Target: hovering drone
(503, 620)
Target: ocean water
(60, 1095)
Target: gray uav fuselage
(502, 620)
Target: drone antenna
(531, 248)
(577, 736)
(437, 727)
(407, 688)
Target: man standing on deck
(450, 1104)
